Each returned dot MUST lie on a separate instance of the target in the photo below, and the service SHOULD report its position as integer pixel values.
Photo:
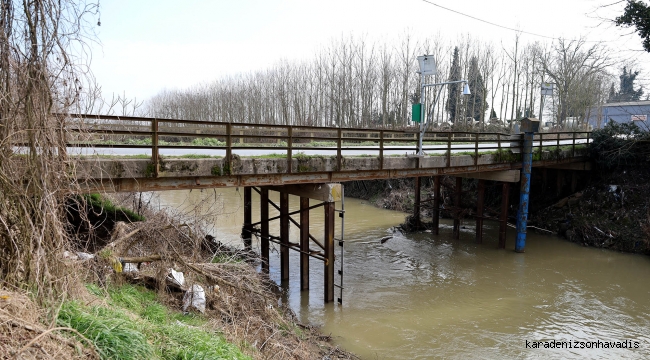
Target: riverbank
(611, 212)
(160, 288)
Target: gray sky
(146, 45)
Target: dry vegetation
(38, 76)
(46, 311)
(241, 304)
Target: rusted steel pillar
(248, 209)
(328, 243)
(479, 211)
(503, 219)
(284, 236)
(574, 181)
(436, 205)
(304, 243)
(559, 181)
(264, 228)
(459, 189)
(416, 205)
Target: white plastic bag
(130, 267)
(194, 297)
(85, 256)
(176, 277)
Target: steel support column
(264, 228)
(328, 273)
(574, 181)
(522, 213)
(459, 189)
(304, 243)
(503, 219)
(436, 205)
(416, 205)
(284, 236)
(479, 211)
(247, 235)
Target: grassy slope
(132, 324)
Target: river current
(420, 296)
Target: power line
(493, 24)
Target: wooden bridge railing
(100, 131)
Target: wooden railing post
(289, 148)
(229, 148)
(338, 149)
(449, 149)
(499, 144)
(573, 146)
(476, 150)
(557, 155)
(155, 156)
(381, 149)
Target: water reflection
(422, 296)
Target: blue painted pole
(522, 214)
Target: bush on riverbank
(613, 212)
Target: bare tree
(571, 65)
(39, 76)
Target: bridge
(126, 154)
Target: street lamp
(428, 67)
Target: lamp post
(428, 67)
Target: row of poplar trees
(354, 82)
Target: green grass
(114, 334)
(194, 156)
(102, 204)
(267, 156)
(134, 325)
(223, 258)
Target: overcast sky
(149, 45)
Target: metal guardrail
(157, 134)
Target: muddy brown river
(420, 296)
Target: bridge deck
(307, 154)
